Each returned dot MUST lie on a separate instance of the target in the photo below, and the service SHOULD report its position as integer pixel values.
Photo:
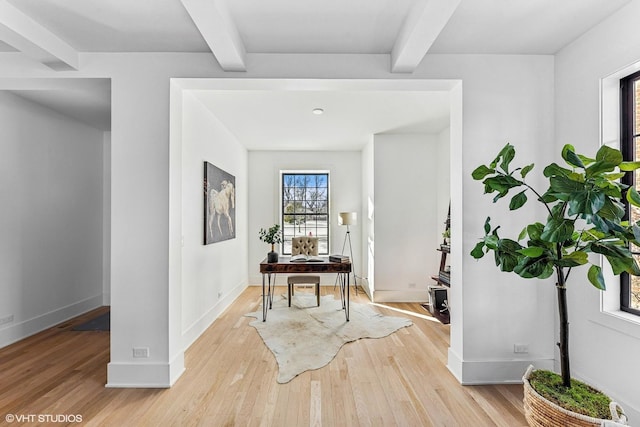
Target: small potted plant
(271, 236)
(447, 236)
(585, 214)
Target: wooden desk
(285, 266)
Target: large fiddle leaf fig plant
(585, 214)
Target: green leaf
(557, 230)
(596, 278)
(507, 153)
(523, 234)
(507, 255)
(599, 167)
(588, 201)
(636, 232)
(611, 210)
(614, 176)
(534, 267)
(481, 171)
(574, 259)
(609, 156)
(633, 197)
(618, 256)
(500, 184)
(564, 185)
(535, 230)
(518, 201)
(525, 170)
(569, 155)
(629, 166)
(477, 251)
(554, 170)
(487, 226)
(586, 160)
(532, 251)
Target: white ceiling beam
(421, 28)
(32, 39)
(219, 31)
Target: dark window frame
(283, 213)
(628, 146)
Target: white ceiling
(283, 120)
(232, 29)
(354, 26)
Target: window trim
(627, 145)
(282, 213)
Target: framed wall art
(219, 204)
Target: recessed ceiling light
(317, 111)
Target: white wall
(443, 177)
(505, 98)
(51, 221)
(368, 217)
(212, 275)
(406, 229)
(345, 187)
(603, 347)
(106, 220)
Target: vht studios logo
(42, 418)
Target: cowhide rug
(305, 337)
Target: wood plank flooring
(230, 380)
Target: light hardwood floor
(230, 380)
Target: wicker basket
(540, 412)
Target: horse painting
(220, 204)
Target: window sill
(621, 321)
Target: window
(630, 141)
(305, 208)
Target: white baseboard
(477, 372)
(193, 332)
(145, 375)
(21, 330)
(401, 296)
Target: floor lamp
(349, 218)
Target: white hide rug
(305, 337)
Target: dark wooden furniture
(438, 298)
(285, 266)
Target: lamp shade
(348, 218)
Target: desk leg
(264, 300)
(340, 281)
(267, 297)
(346, 310)
(272, 288)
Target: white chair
(307, 246)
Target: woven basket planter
(540, 412)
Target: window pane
(634, 291)
(636, 103)
(305, 208)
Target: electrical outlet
(140, 352)
(412, 285)
(6, 319)
(521, 348)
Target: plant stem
(563, 344)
